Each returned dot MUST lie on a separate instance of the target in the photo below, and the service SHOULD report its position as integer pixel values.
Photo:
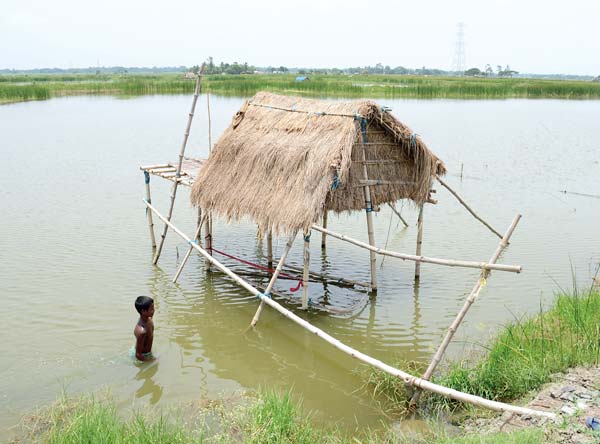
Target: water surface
(75, 253)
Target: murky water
(75, 253)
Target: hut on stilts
(286, 162)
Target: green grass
(14, 88)
(271, 418)
(521, 358)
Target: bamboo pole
(270, 249)
(199, 223)
(430, 260)
(397, 213)
(461, 314)
(368, 205)
(406, 377)
(150, 222)
(280, 264)
(469, 209)
(323, 235)
(209, 225)
(419, 242)
(178, 174)
(189, 252)
(305, 271)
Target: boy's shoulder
(139, 330)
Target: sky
(530, 36)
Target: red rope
(261, 267)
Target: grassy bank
(521, 358)
(270, 419)
(15, 88)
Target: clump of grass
(521, 358)
(390, 393)
(90, 420)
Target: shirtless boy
(144, 329)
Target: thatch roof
(280, 160)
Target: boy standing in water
(144, 329)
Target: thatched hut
(283, 161)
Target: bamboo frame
(423, 259)
(419, 242)
(330, 278)
(410, 380)
(280, 264)
(472, 296)
(189, 252)
(305, 271)
(150, 222)
(178, 173)
(464, 204)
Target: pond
(76, 252)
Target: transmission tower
(459, 63)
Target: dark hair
(143, 303)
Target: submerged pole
(419, 242)
(150, 222)
(305, 271)
(324, 235)
(186, 134)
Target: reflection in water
(148, 387)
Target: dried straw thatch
(279, 161)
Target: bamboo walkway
(189, 170)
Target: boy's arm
(139, 344)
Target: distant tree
(473, 72)
(597, 79)
(488, 70)
(498, 69)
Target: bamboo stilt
(419, 242)
(189, 252)
(469, 209)
(178, 174)
(324, 235)
(208, 238)
(368, 205)
(280, 264)
(411, 380)
(305, 271)
(472, 296)
(412, 257)
(397, 213)
(270, 249)
(199, 223)
(150, 222)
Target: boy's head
(143, 303)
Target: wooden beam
(469, 209)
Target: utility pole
(459, 64)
